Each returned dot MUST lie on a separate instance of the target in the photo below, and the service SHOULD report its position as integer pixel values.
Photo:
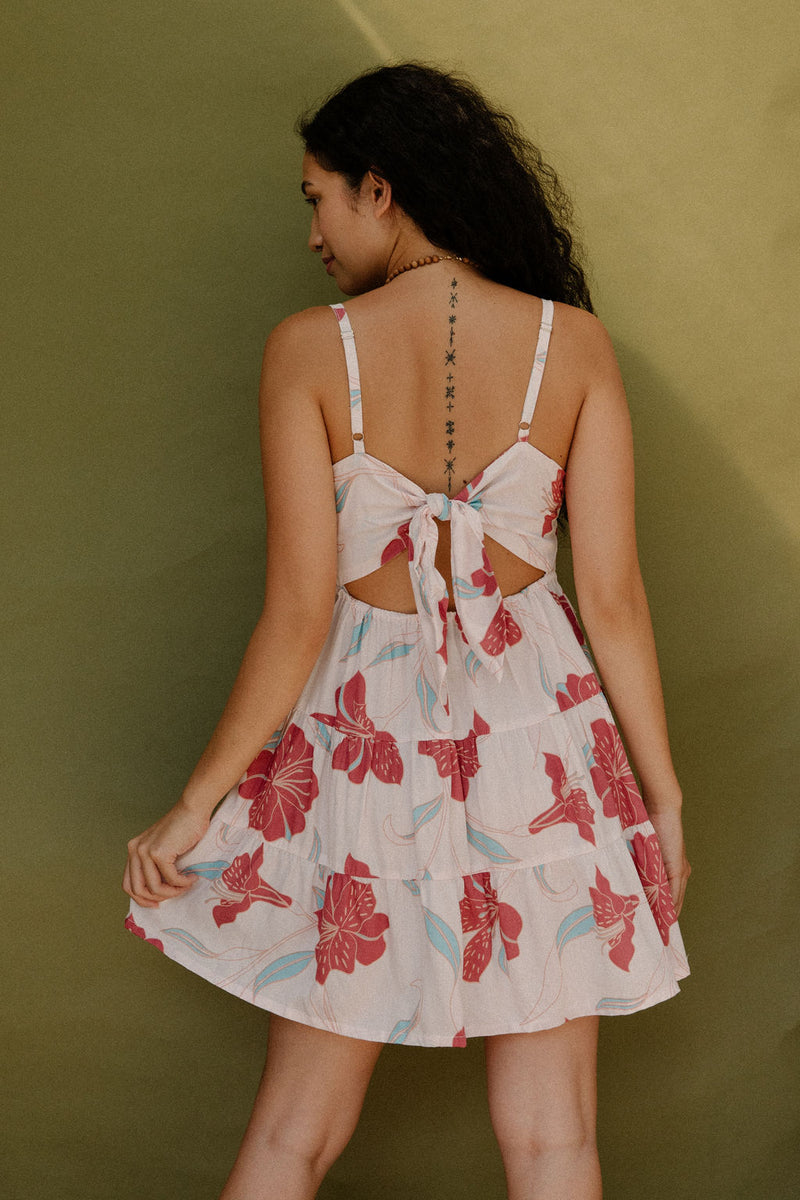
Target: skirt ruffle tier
(389, 870)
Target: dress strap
(353, 377)
(535, 381)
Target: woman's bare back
(412, 369)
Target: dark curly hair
(460, 168)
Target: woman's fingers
(159, 874)
(151, 874)
(171, 875)
(140, 889)
(669, 831)
(677, 886)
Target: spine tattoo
(450, 388)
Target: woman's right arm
(610, 591)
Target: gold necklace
(429, 258)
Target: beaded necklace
(429, 258)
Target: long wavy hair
(460, 168)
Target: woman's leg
(306, 1109)
(543, 1103)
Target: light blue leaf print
(502, 958)
(545, 678)
(579, 921)
(442, 938)
(319, 896)
(623, 1004)
(188, 940)
(283, 968)
(468, 591)
(412, 886)
(426, 695)
(425, 812)
(274, 738)
(426, 874)
(341, 495)
(316, 847)
(488, 846)
(422, 814)
(422, 580)
(400, 1031)
(472, 663)
(322, 733)
(396, 649)
(540, 872)
(208, 870)
(588, 755)
(358, 635)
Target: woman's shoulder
(578, 321)
(295, 335)
(301, 324)
(584, 337)
(299, 348)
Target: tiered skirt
(396, 869)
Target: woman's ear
(379, 191)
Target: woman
(443, 838)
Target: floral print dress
(444, 838)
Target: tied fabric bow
(485, 624)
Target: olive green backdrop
(154, 234)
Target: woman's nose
(314, 238)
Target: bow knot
(439, 504)
(478, 602)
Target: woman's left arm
(299, 596)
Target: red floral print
(569, 613)
(484, 577)
(354, 866)
(650, 865)
(553, 503)
(613, 915)
(469, 488)
(574, 807)
(577, 688)
(282, 785)
(363, 748)
(443, 618)
(131, 925)
(457, 757)
(398, 544)
(612, 777)
(459, 1039)
(350, 930)
(503, 631)
(481, 911)
(242, 878)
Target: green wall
(153, 235)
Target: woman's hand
(150, 873)
(669, 830)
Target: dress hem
(666, 992)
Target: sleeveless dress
(444, 838)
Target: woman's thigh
(542, 1086)
(319, 1078)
